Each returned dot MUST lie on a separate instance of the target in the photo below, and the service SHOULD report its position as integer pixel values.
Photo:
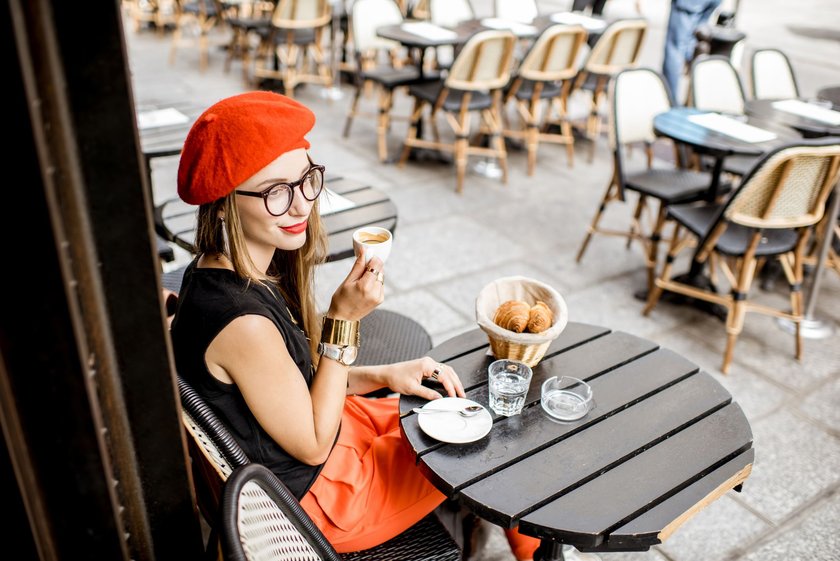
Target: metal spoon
(467, 411)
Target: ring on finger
(380, 276)
(372, 271)
(435, 375)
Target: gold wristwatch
(339, 340)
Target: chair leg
(383, 123)
(635, 224)
(532, 143)
(653, 245)
(655, 291)
(354, 107)
(416, 115)
(461, 145)
(738, 306)
(593, 227)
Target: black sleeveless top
(208, 301)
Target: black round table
(830, 93)
(663, 440)
(764, 109)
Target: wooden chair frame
(646, 226)
(600, 64)
(536, 68)
(759, 216)
(250, 17)
(463, 77)
(293, 57)
(205, 20)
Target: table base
(550, 550)
(809, 328)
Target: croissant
(540, 317)
(512, 315)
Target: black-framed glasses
(278, 197)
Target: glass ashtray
(566, 398)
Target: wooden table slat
(582, 455)
(517, 437)
(637, 484)
(576, 360)
(655, 525)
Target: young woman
(249, 339)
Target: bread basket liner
(520, 288)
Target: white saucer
(452, 427)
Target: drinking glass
(508, 381)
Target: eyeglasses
(278, 197)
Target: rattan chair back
(617, 48)
(366, 16)
(772, 75)
(554, 55)
(484, 63)
(715, 85)
(636, 96)
(301, 14)
(787, 189)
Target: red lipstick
(295, 228)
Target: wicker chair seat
(526, 90)
(390, 77)
(207, 9)
(427, 540)
(734, 241)
(300, 36)
(429, 93)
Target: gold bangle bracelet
(340, 332)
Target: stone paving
(447, 246)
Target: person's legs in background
(680, 41)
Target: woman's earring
(225, 239)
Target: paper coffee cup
(375, 240)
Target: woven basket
(526, 347)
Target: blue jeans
(685, 17)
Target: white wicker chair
(716, 86)
(772, 75)
(636, 96)
(523, 11)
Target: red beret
(237, 137)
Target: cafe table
(346, 205)
(663, 440)
(809, 126)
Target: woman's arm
(405, 378)
(251, 352)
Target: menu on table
(731, 127)
(331, 202)
(571, 18)
(160, 118)
(808, 110)
(519, 29)
(429, 31)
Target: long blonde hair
(292, 273)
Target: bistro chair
(544, 77)
(772, 75)
(214, 454)
(523, 11)
(473, 84)
(251, 18)
(636, 96)
(714, 85)
(291, 49)
(370, 49)
(193, 23)
(772, 214)
(262, 520)
(616, 49)
(158, 13)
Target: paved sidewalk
(447, 246)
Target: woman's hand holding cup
(361, 292)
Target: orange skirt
(370, 489)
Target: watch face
(348, 354)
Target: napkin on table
(429, 30)
(731, 127)
(808, 110)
